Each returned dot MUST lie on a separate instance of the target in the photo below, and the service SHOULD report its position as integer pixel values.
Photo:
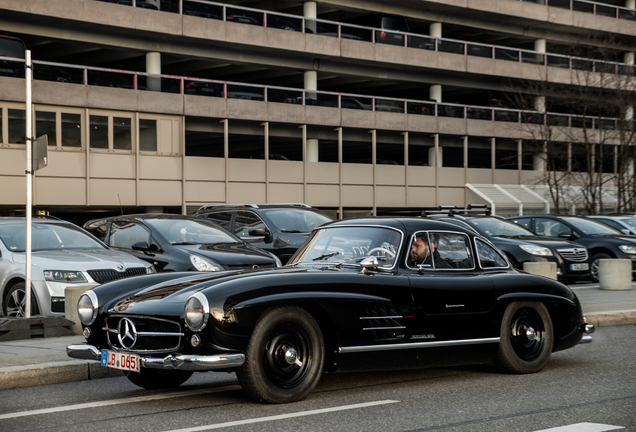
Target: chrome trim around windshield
(390, 347)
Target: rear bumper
(184, 362)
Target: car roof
(409, 223)
(254, 206)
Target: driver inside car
(421, 252)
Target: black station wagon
(359, 294)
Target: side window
(488, 256)
(222, 219)
(524, 222)
(551, 227)
(245, 222)
(440, 251)
(125, 234)
(612, 223)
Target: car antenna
(120, 207)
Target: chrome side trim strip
(368, 348)
(384, 328)
(381, 317)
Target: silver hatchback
(63, 255)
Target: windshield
(499, 227)
(186, 231)
(47, 236)
(589, 226)
(631, 221)
(297, 220)
(350, 245)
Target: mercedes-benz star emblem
(127, 333)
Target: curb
(612, 318)
(53, 373)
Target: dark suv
(277, 228)
(601, 240)
(519, 244)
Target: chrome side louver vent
(384, 323)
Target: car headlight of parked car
(203, 264)
(87, 307)
(197, 311)
(628, 249)
(64, 276)
(536, 250)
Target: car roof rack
(251, 205)
(454, 210)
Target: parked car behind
(179, 243)
(277, 228)
(519, 244)
(11, 47)
(353, 298)
(600, 240)
(63, 255)
(624, 223)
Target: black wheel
(284, 357)
(153, 379)
(14, 304)
(526, 338)
(595, 264)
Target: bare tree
(593, 146)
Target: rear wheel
(284, 357)
(526, 338)
(14, 304)
(153, 379)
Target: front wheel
(153, 379)
(284, 357)
(595, 265)
(526, 338)
(14, 304)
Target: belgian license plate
(576, 267)
(122, 361)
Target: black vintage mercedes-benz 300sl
(360, 294)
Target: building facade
(354, 107)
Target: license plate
(122, 361)
(579, 267)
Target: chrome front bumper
(173, 361)
(587, 330)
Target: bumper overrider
(186, 362)
(587, 330)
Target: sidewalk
(34, 362)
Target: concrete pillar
(546, 269)
(435, 92)
(539, 103)
(72, 295)
(311, 83)
(435, 30)
(540, 45)
(630, 4)
(539, 161)
(615, 274)
(433, 158)
(153, 65)
(309, 11)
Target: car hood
(543, 241)
(80, 259)
(169, 296)
(233, 254)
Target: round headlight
(87, 307)
(197, 311)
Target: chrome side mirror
(369, 264)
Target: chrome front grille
(573, 254)
(143, 335)
(107, 275)
(383, 322)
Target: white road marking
(284, 416)
(583, 427)
(118, 401)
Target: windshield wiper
(292, 231)
(185, 243)
(326, 255)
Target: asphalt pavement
(41, 361)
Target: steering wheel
(381, 249)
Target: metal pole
(29, 180)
